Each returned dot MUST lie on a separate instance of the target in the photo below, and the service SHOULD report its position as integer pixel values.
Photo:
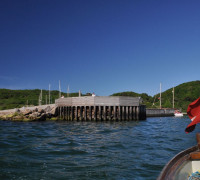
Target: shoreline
(50, 112)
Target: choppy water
(91, 150)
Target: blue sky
(101, 46)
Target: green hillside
(147, 100)
(184, 94)
(18, 98)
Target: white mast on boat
(49, 94)
(173, 97)
(46, 99)
(160, 95)
(68, 91)
(59, 90)
(40, 98)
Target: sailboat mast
(68, 91)
(173, 97)
(59, 90)
(41, 97)
(39, 101)
(160, 95)
(49, 94)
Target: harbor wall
(152, 112)
(98, 111)
(101, 108)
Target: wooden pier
(92, 108)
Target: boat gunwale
(170, 168)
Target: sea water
(91, 150)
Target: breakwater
(87, 109)
(152, 112)
(33, 113)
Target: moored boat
(185, 165)
(178, 113)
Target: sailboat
(177, 113)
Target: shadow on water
(91, 150)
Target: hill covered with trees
(184, 94)
(147, 100)
(18, 98)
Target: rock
(35, 110)
(17, 110)
(41, 110)
(19, 118)
(48, 115)
(34, 115)
(26, 112)
(48, 109)
(10, 115)
(42, 117)
(31, 116)
(53, 111)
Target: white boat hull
(178, 114)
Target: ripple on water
(90, 150)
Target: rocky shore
(35, 113)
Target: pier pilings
(100, 109)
